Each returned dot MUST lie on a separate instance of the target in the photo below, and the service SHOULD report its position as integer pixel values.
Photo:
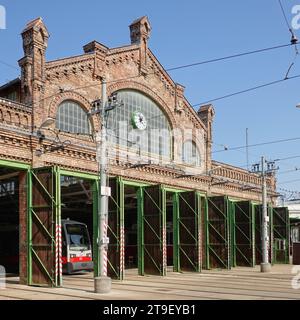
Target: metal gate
(44, 228)
(188, 232)
(154, 245)
(115, 231)
(218, 233)
(280, 227)
(243, 234)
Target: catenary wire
(246, 90)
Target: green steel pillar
(140, 196)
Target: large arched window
(190, 153)
(155, 139)
(72, 118)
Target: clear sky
(185, 32)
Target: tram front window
(78, 237)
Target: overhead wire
(258, 144)
(172, 68)
(294, 39)
(9, 65)
(246, 90)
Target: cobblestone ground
(238, 283)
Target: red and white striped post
(122, 252)
(164, 242)
(58, 254)
(104, 255)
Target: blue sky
(185, 32)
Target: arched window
(190, 153)
(72, 118)
(154, 140)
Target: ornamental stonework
(44, 85)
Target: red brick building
(173, 153)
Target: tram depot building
(172, 207)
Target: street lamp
(47, 123)
(57, 144)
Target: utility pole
(265, 266)
(103, 282)
(101, 107)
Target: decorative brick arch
(166, 109)
(73, 96)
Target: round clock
(139, 121)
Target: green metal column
(29, 228)
(141, 268)
(229, 232)
(96, 227)
(271, 235)
(207, 242)
(252, 232)
(288, 232)
(200, 231)
(176, 236)
(233, 246)
(58, 223)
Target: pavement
(240, 283)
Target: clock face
(139, 121)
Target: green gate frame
(161, 207)
(54, 197)
(95, 189)
(226, 238)
(117, 271)
(176, 237)
(197, 236)
(235, 227)
(277, 229)
(140, 254)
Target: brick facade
(44, 85)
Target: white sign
(105, 240)
(105, 191)
(296, 279)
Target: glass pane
(154, 140)
(72, 118)
(190, 153)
